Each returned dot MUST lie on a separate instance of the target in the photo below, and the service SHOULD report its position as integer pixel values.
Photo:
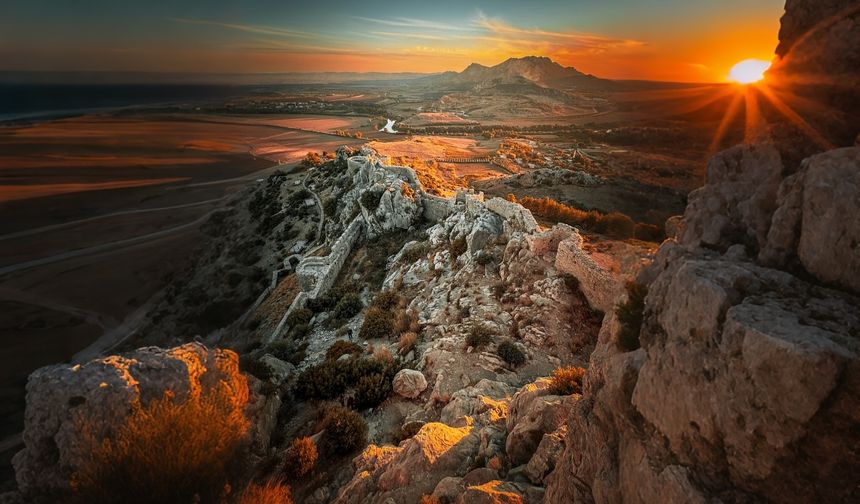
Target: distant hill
(528, 74)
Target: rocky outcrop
(68, 405)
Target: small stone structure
(317, 274)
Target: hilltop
(530, 73)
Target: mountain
(530, 73)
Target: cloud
(592, 43)
(258, 29)
(413, 23)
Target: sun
(749, 71)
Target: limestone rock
(820, 38)
(409, 383)
(602, 273)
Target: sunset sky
(677, 40)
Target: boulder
(68, 404)
(487, 226)
(810, 224)
(409, 383)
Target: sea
(33, 102)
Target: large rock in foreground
(746, 387)
(67, 406)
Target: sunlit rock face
(67, 406)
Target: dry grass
(406, 343)
(383, 354)
(166, 451)
(301, 457)
(268, 493)
(567, 380)
(615, 224)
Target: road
(104, 247)
(53, 227)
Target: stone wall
(600, 282)
(436, 208)
(317, 274)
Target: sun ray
(755, 126)
(706, 101)
(795, 118)
(728, 117)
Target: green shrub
(349, 306)
(457, 247)
(255, 367)
(280, 349)
(330, 206)
(332, 378)
(378, 323)
(567, 381)
(479, 336)
(630, 315)
(300, 458)
(511, 353)
(372, 390)
(618, 225)
(299, 331)
(298, 355)
(345, 430)
(342, 347)
(370, 200)
(322, 381)
(386, 300)
(300, 316)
